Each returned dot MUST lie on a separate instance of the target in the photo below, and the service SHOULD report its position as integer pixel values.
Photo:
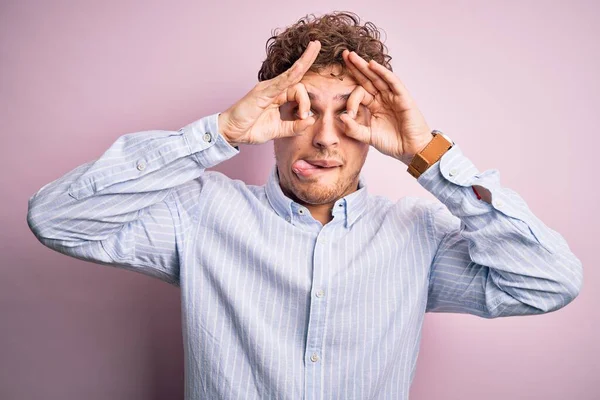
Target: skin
(325, 139)
(379, 113)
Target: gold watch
(435, 149)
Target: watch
(435, 149)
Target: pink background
(514, 83)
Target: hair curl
(336, 31)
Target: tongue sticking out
(304, 169)
(303, 166)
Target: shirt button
(301, 211)
(320, 293)
(141, 166)
(453, 172)
(314, 357)
(288, 219)
(207, 137)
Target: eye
(310, 112)
(343, 112)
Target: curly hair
(336, 31)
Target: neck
(321, 212)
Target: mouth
(306, 168)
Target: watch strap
(425, 158)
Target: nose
(327, 131)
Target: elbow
(550, 293)
(31, 217)
(569, 285)
(40, 221)
(574, 287)
(563, 288)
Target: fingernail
(305, 115)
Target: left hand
(397, 128)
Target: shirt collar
(350, 207)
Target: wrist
(430, 154)
(221, 123)
(408, 157)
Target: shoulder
(214, 186)
(407, 205)
(215, 181)
(430, 215)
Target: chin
(318, 193)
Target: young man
(308, 286)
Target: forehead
(322, 87)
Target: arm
(125, 207)
(121, 209)
(495, 259)
(491, 259)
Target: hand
(397, 128)
(256, 117)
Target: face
(322, 164)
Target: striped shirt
(276, 305)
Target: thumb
(297, 127)
(356, 130)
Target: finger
(363, 66)
(359, 76)
(299, 94)
(355, 130)
(357, 97)
(295, 128)
(392, 80)
(301, 125)
(295, 73)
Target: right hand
(256, 118)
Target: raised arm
(497, 259)
(494, 257)
(127, 207)
(120, 209)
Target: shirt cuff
(450, 173)
(451, 179)
(207, 145)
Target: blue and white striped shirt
(278, 306)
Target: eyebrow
(338, 97)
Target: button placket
(317, 322)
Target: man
(308, 286)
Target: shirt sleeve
(492, 260)
(119, 209)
